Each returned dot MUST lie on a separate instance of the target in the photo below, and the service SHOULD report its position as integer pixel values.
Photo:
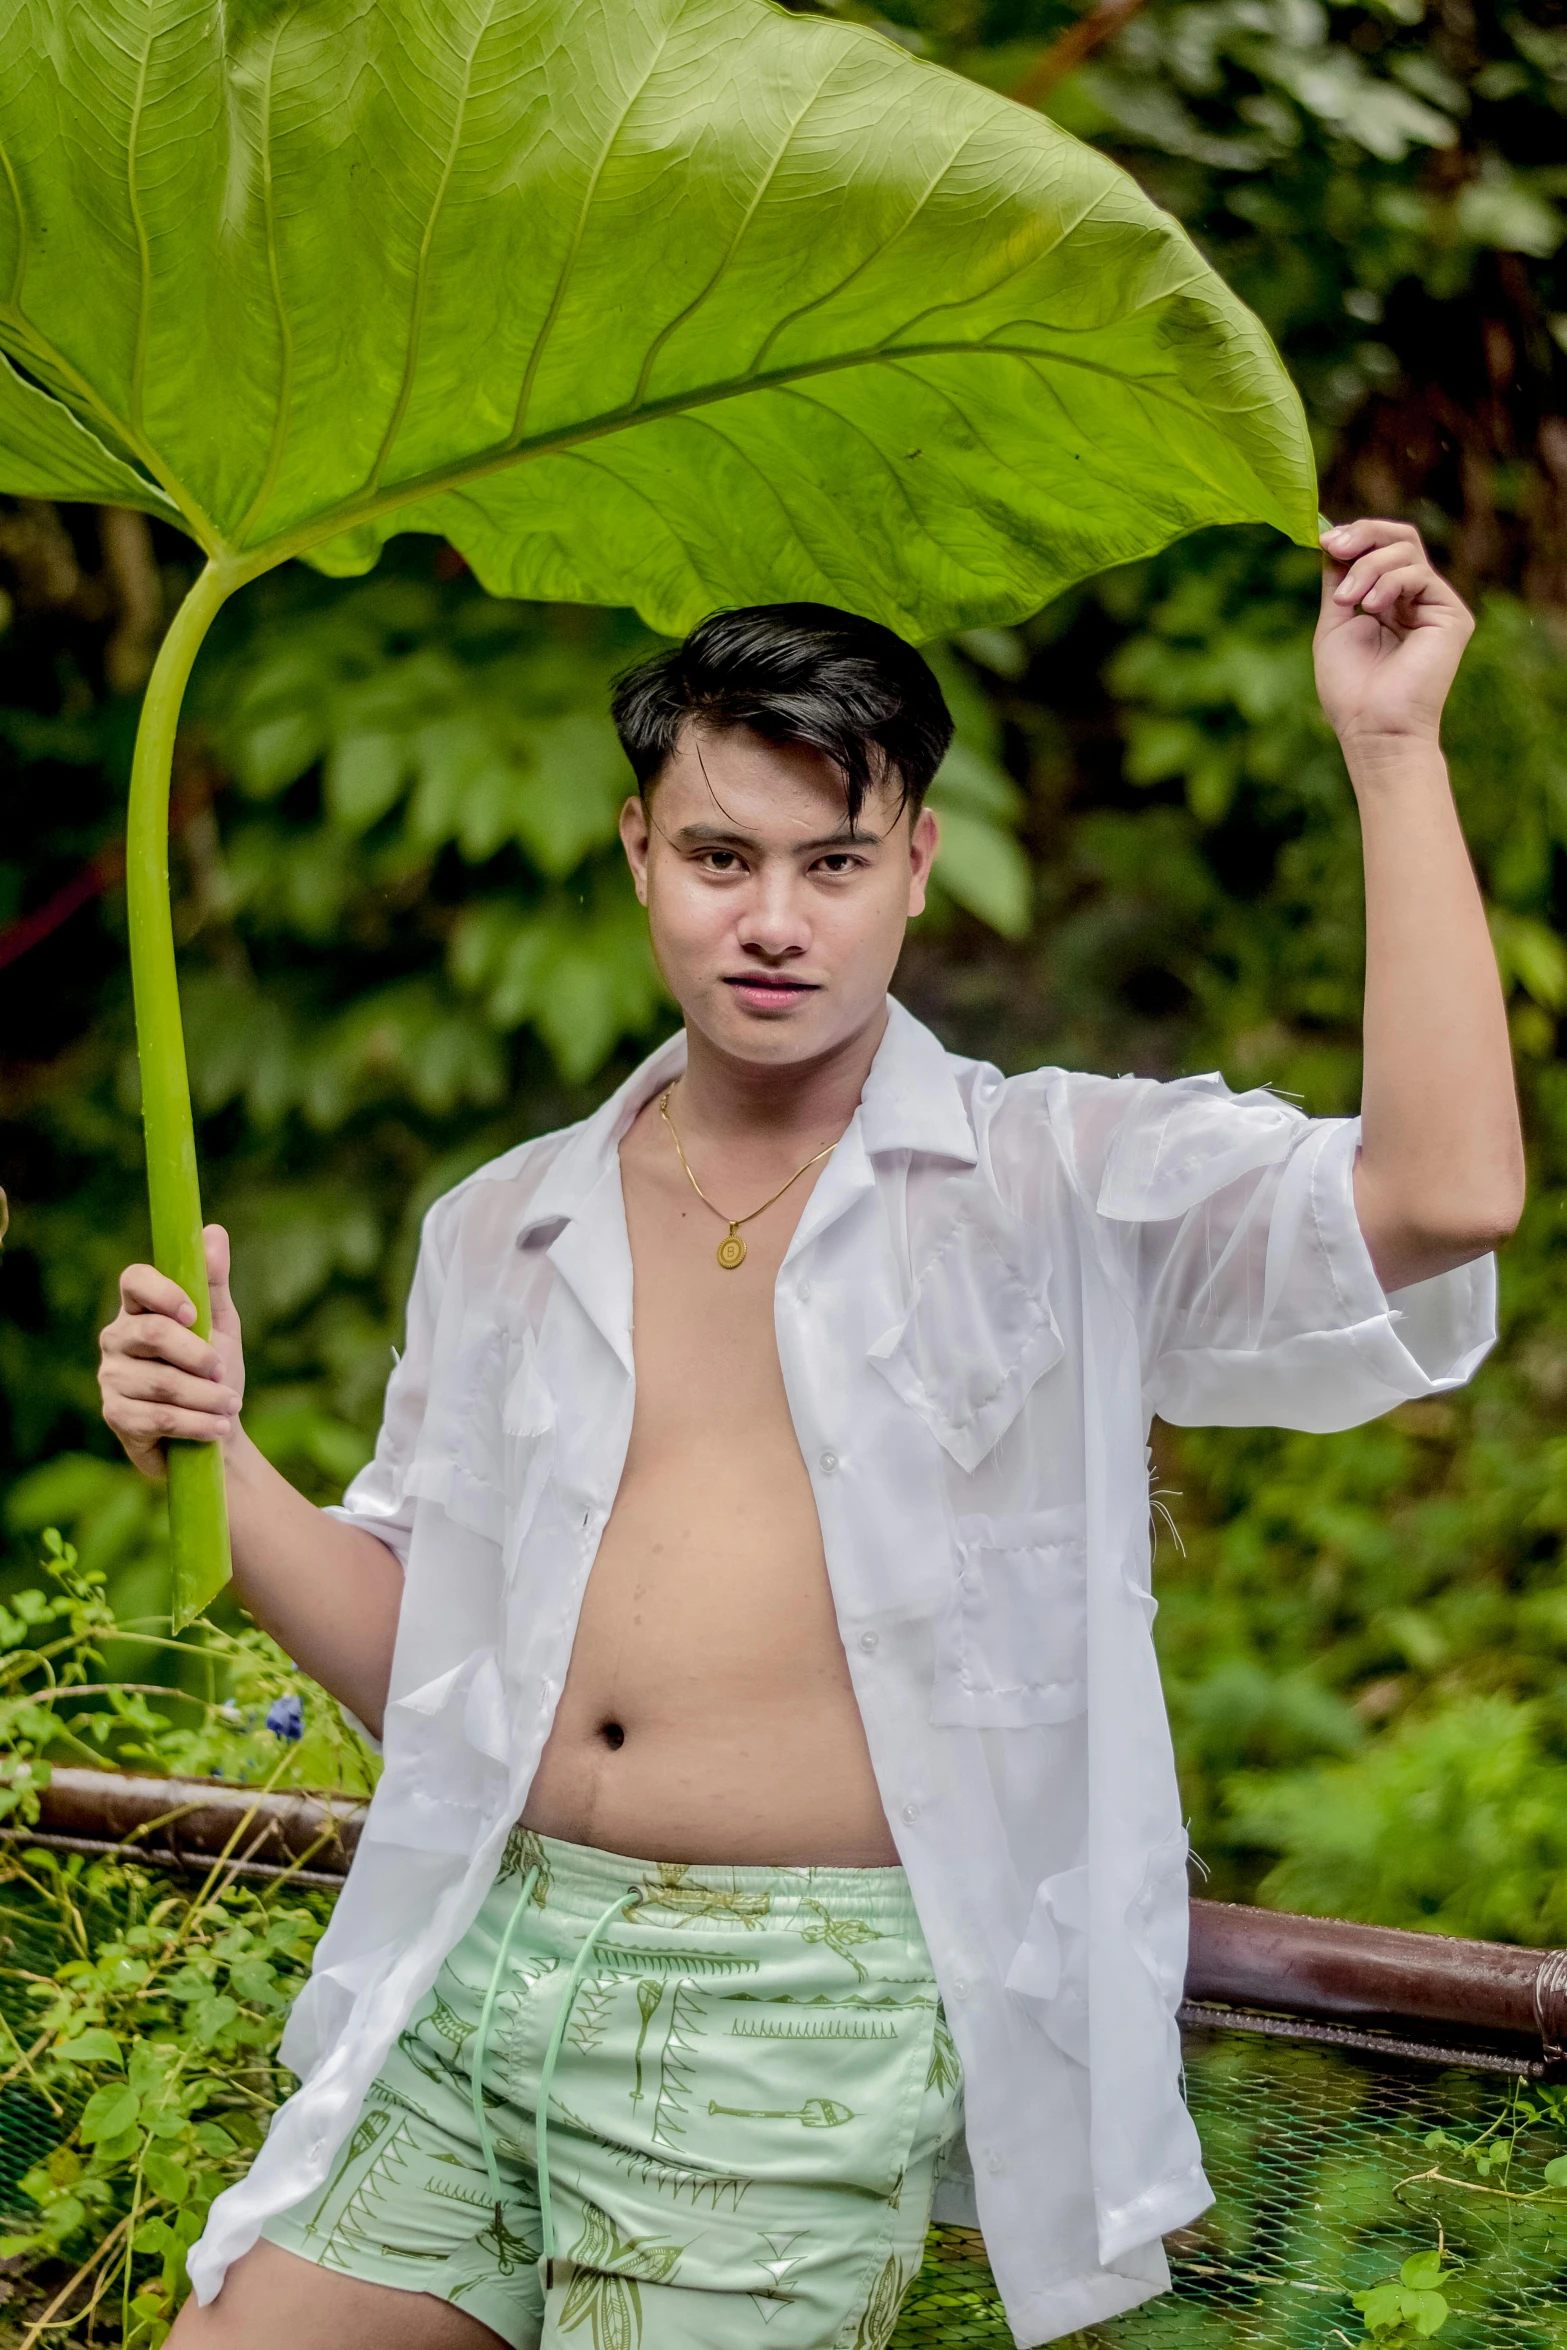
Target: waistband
(578, 1880)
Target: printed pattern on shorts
(753, 2095)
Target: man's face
(775, 926)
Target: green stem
(198, 1510)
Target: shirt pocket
(1011, 1641)
(979, 1331)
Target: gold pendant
(731, 1251)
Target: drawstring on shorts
(622, 1903)
(481, 2040)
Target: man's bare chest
(703, 1334)
(704, 1344)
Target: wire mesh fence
(31, 2125)
(1326, 2181)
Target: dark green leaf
(108, 2113)
(94, 2046)
(167, 2178)
(1423, 2270)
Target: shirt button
(960, 1987)
(911, 1812)
(992, 2162)
(870, 1640)
(803, 1293)
(828, 1463)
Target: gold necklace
(731, 1249)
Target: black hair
(793, 673)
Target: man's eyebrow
(718, 836)
(844, 839)
(708, 836)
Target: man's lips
(768, 992)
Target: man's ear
(635, 834)
(924, 840)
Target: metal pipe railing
(1380, 1988)
(189, 1822)
(1377, 1988)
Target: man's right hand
(328, 1593)
(157, 1377)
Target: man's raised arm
(1440, 1178)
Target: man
(773, 1734)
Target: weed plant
(140, 2012)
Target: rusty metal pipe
(189, 1822)
(1376, 1975)
(1379, 1986)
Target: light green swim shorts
(749, 2088)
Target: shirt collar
(911, 1102)
(591, 1147)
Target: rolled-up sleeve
(380, 1498)
(1230, 1221)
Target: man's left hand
(1390, 636)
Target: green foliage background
(407, 942)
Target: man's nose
(773, 921)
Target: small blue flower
(286, 1717)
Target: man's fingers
(1410, 587)
(1368, 567)
(152, 1338)
(225, 1314)
(1375, 564)
(1349, 539)
(1382, 582)
(215, 1241)
(137, 1383)
(152, 1423)
(160, 1381)
(1359, 554)
(144, 1290)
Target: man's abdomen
(708, 1712)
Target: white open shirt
(994, 1284)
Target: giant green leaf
(673, 303)
(664, 302)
